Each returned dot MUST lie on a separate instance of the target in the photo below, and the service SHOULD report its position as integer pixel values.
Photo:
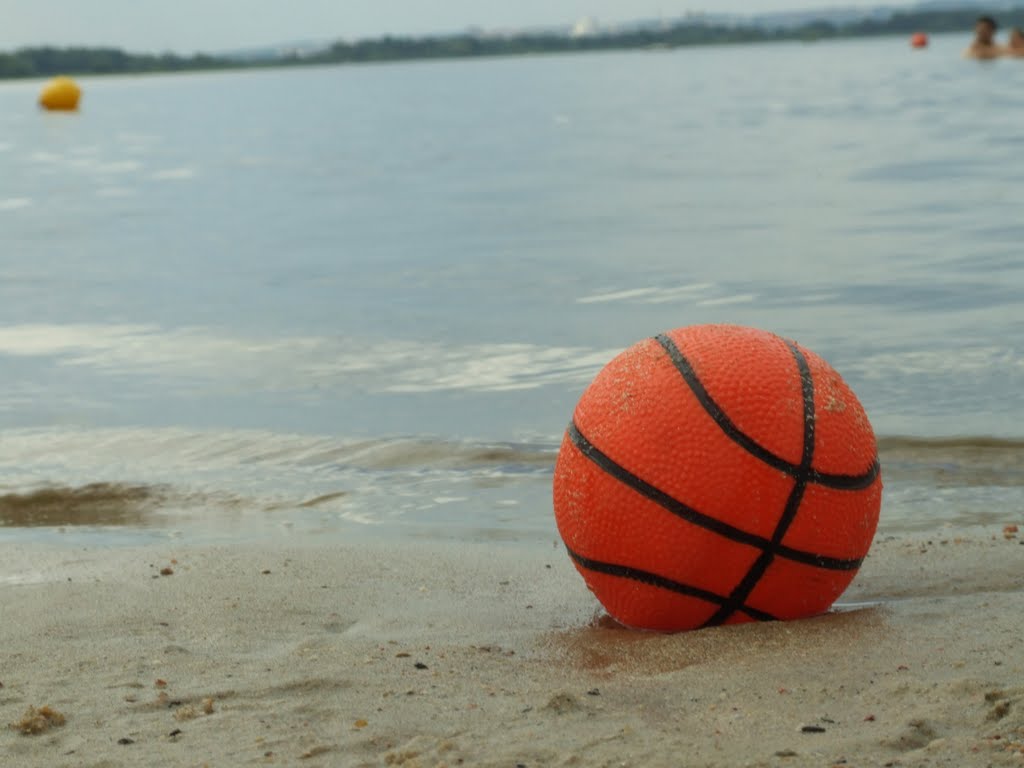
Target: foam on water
(248, 483)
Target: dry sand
(436, 654)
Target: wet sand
(464, 654)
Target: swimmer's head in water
(985, 29)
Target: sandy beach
(436, 654)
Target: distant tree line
(47, 61)
(43, 62)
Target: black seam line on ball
(691, 515)
(739, 595)
(837, 482)
(654, 580)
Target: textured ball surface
(717, 474)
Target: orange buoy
(60, 93)
(919, 40)
(717, 474)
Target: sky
(185, 26)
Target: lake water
(367, 298)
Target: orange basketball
(717, 474)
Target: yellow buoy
(60, 93)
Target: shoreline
(431, 654)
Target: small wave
(649, 295)
(323, 498)
(246, 482)
(699, 294)
(967, 360)
(241, 482)
(322, 363)
(115, 192)
(630, 293)
(174, 174)
(14, 203)
(45, 158)
(740, 298)
(954, 461)
(980, 443)
(146, 140)
(180, 450)
(392, 454)
(112, 168)
(96, 504)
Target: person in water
(984, 44)
(1015, 47)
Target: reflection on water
(97, 504)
